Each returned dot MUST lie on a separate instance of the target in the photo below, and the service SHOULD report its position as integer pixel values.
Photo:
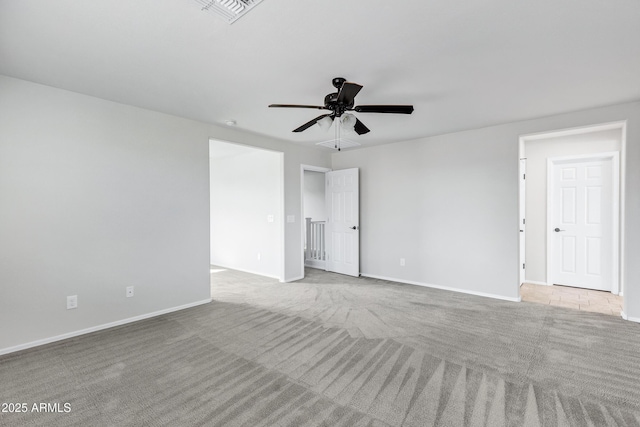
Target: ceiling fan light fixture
(348, 121)
(325, 123)
(229, 10)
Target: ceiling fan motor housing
(331, 103)
(331, 100)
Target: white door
(581, 223)
(342, 233)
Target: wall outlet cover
(129, 291)
(72, 302)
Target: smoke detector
(229, 10)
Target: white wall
(96, 196)
(245, 191)
(440, 204)
(314, 202)
(294, 156)
(537, 152)
(449, 205)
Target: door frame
(622, 125)
(303, 168)
(614, 156)
(522, 236)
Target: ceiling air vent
(229, 10)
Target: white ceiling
(462, 64)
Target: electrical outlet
(402, 262)
(72, 302)
(129, 291)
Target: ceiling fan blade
(360, 128)
(311, 123)
(348, 92)
(396, 109)
(317, 107)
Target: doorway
(331, 229)
(246, 209)
(314, 214)
(539, 153)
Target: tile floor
(577, 298)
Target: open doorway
(246, 209)
(331, 242)
(314, 214)
(571, 222)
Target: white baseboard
(631, 319)
(293, 279)
(445, 288)
(257, 273)
(315, 264)
(323, 268)
(100, 327)
(535, 282)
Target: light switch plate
(72, 302)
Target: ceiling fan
(338, 103)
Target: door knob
(557, 229)
(354, 228)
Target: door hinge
(524, 220)
(523, 266)
(523, 176)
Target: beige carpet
(338, 351)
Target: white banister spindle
(314, 249)
(322, 241)
(307, 246)
(316, 242)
